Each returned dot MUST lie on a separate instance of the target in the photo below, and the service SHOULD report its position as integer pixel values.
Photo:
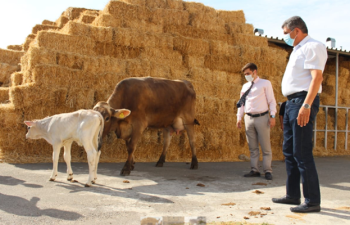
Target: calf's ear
(29, 123)
(121, 113)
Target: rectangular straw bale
(189, 31)
(48, 22)
(88, 19)
(236, 79)
(15, 47)
(200, 74)
(138, 68)
(250, 53)
(169, 17)
(232, 16)
(116, 51)
(73, 13)
(138, 39)
(191, 46)
(10, 56)
(40, 27)
(37, 56)
(16, 79)
(102, 34)
(80, 98)
(190, 61)
(4, 95)
(66, 43)
(243, 28)
(127, 12)
(222, 48)
(29, 39)
(162, 56)
(5, 72)
(158, 70)
(245, 39)
(223, 63)
(61, 21)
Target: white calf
(84, 127)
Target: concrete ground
(27, 197)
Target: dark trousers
(297, 149)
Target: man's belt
(257, 115)
(298, 94)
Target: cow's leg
(131, 146)
(96, 165)
(190, 134)
(67, 159)
(55, 156)
(166, 143)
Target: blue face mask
(289, 40)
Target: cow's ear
(121, 113)
(29, 123)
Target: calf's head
(110, 115)
(34, 131)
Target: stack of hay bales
(77, 60)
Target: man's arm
(304, 114)
(271, 101)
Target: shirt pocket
(297, 61)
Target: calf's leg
(67, 159)
(96, 165)
(92, 157)
(167, 139)
(55, 156)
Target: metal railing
(336, 131)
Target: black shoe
(286, 200)
(268, 176)
(305, 208)
(252, 174)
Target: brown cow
(138, 103)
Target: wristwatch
(306, 106)
(272, 116)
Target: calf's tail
(100, 132)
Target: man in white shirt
(256, 99)
(301, 84)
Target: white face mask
(249, 78)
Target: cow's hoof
(70, 178)
(125, 172)
(93, 182)
(194, 167)
(87, 185)
(159, 164)
(132, 167)
(52, 179)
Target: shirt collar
(256, 80)
(302, 42)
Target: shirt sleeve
(240, 110)
(271, 101)
(315, 56)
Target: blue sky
(324, 18)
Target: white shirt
(259, 99)
(308, 54)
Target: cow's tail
(196, 122)
(99, 138)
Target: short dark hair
(295, 21)
(250, 66)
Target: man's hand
(303, 116)
(272, 122)
(239, 124)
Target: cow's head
(109, 114)
(34, 131)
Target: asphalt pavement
(216, 193)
